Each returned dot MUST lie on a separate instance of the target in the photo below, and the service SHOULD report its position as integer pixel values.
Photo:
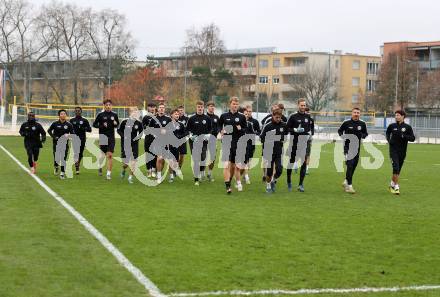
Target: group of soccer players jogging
(166, 135)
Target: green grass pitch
(188, 239)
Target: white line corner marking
(140, 277)
(154, 291)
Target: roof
(416, 44)
(235, 52)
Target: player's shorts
(170, 153)
(397, 159)
(147, 143)
(130, 156)
(250, 151)
(110, 147)
(183, 149)
(294, 152)
(231, 154)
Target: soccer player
(129, 130)
(80, 127)
(210, 112)
(60, 131)
(356, 127)
(160, 122)
(184, 120)
(34, 137)
(149, 138)
(273, 159)
(200, 128)
(300, 129)
(178, 128)
(252, 129)
(233, 125)
(107, 121)
(398, 135)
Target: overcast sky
(289, 25)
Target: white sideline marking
(307, 291)
(139, 276)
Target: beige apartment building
(267, 76)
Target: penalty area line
(309, 291)
(152, 289)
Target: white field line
(307, 291)
(139, 276)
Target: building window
(356, 65)
(276, 80)
(337, 64)
(299, 62)
(276, 63)
(355, 98)
(372, 68)
(264, 79)
(264, 63)
(371, 85)
(355, 81)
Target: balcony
(177, 73)
(243, 71)
(433, 64)
(292, 70)
(285, 88)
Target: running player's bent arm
(364, 130)
(409, 134)
(87, 126)
(22, 130)
(97, 121)
(341, 129)
(221, 122)
(42, 133)
(263, 133)
(210, 125)
(388, 133)
(51, 130)
(121, 128)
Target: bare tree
(316, 86)
(67, 26)
(205, 45)
(396, 70)
(429, 90)
(7, 30)
(110, 40)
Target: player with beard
(299, 126)
(356, 127)
(80, 127)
